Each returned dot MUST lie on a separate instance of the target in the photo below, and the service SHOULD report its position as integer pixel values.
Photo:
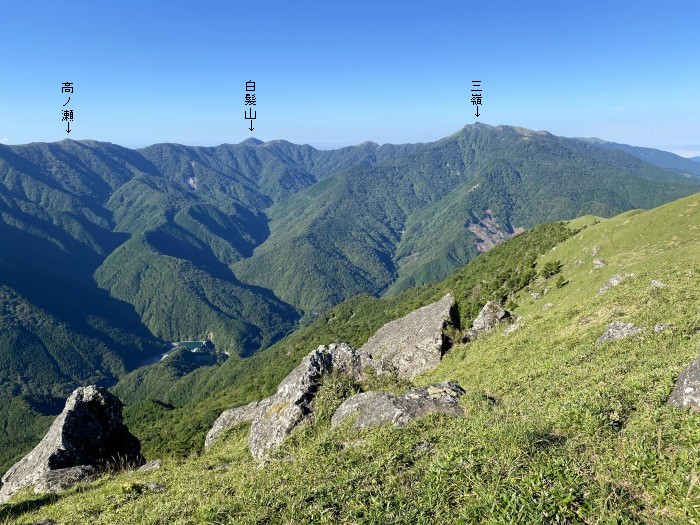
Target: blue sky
(338, 73)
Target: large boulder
(415, 343)
(491, 315)
(377, 408)
(86, 438)
(686, 391)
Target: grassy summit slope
(558, 429)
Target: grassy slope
(558, 429)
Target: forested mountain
(663, 159)
(107, 255)
(414, 219)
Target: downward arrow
(68, 130)
(477, 111)
(251, 125)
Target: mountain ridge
(129, 250)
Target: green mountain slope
(406, 221)
(663, 159)
(558, 428)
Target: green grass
(557, 428)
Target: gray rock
(152, 486)
(356, 404)
(278, 415)
(660, 327)
(658, 284)
(615, 280)
(599, 263)
(536, 296)
(415, 343)
(407, 346)
(86, 438)
(154, 464)
(686, 391)
(512, 328)
(230, 418)
(595, 250)
(547, 306)
(491, 315)
(618, 330)
(376, 408)
(55, 481)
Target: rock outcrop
(415, 343)
(491, 315)
(278, 415)
(230, 418)
(377, 408)
(686, 391)
(408, 346)
(618, 330)
(615, 280)
(87, 437)
(599, 263)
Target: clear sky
(333, 73)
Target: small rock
(658, 284)
(660, 327)
(512, 328)
(423, 447)
(547, 306)
(535, 295)
(615, 280)
(618, 330)
(599, 263)
(595, 250)
(154, 464)
(152, 486)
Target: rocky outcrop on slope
(407, 347)
(415, 343)
(87, 437)
(618, 330)
(615, 280)
(377, 408)
(278, 415)
(686, 391)
(491, 315)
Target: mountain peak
(252, 141)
